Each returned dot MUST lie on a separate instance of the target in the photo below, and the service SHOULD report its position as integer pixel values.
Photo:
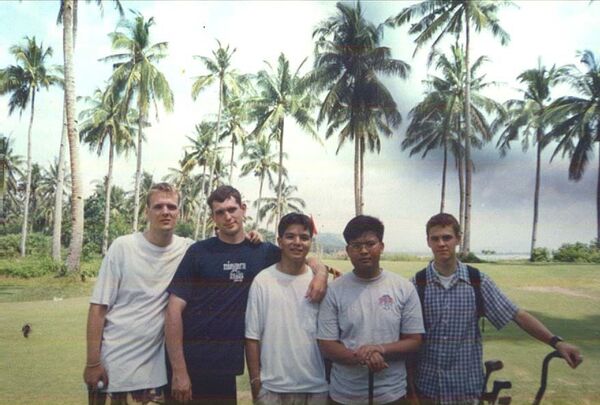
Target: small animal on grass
(26, 329)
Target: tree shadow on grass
(10, 289)
(584, 332)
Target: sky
(402, 191)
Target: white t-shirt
(358, 312)
(132, 283)
(285, 322)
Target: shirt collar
(461, 272)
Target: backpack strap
(475, 280)
(421, 282)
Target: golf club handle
(371, 387)
(544, 378)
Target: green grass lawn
(46, 368)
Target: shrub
(36, 244)
(31, 267)
(470, 258)
(577, 252)
(540, 255)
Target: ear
(382, 246)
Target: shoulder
(121, 243)
(398, 281)
(266, 275)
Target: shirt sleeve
(182, 283)
(255, 312)
(328, 321)
(499, 309)
(273, 254)
(411, 317)
(109, 279)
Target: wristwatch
(554, 341)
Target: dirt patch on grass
(560, 290)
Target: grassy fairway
(46, 368)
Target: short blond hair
(163, 187)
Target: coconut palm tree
(286, 201)
(68, 14)
(77, 220)
(103, 123)
(235, 116)
(22, 81)
(262, 163)
(136, 73)
(282, 93)
(357, 106)
(199, 155)
(577, 121)
(437, 19)
(437, 121)
(526, 118)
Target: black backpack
(474, 279)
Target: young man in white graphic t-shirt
(284, 362)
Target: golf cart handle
(544, 379)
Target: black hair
(294, 218)
(222, 193)
(361, 224)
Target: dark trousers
(209, 390)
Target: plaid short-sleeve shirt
(450, 361)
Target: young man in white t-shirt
(125, 339)
(370, 319)
(284, 362)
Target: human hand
(365, 351)
(317, 288)
(570, 353)
(375, 362)
(92, 375)
(255, 385)
(254, 237)
(181, 387)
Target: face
(443, 242)
(295, 243)
(364, 252)
(229, 217)
(163, 211)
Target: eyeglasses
(359, 245)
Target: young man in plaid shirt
(450, 369)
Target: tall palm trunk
(138, 166)
(28, 184)
(75, 247)
(231, 158)
(445, 164)
(58, 195)
(279, 176)
(357, 205)
(260, 189)
(362, 175)
(108, 187)
(536, 193)
(466, 239)
(214, 159)
(598, 197)
(201, 201)
(461, 189)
